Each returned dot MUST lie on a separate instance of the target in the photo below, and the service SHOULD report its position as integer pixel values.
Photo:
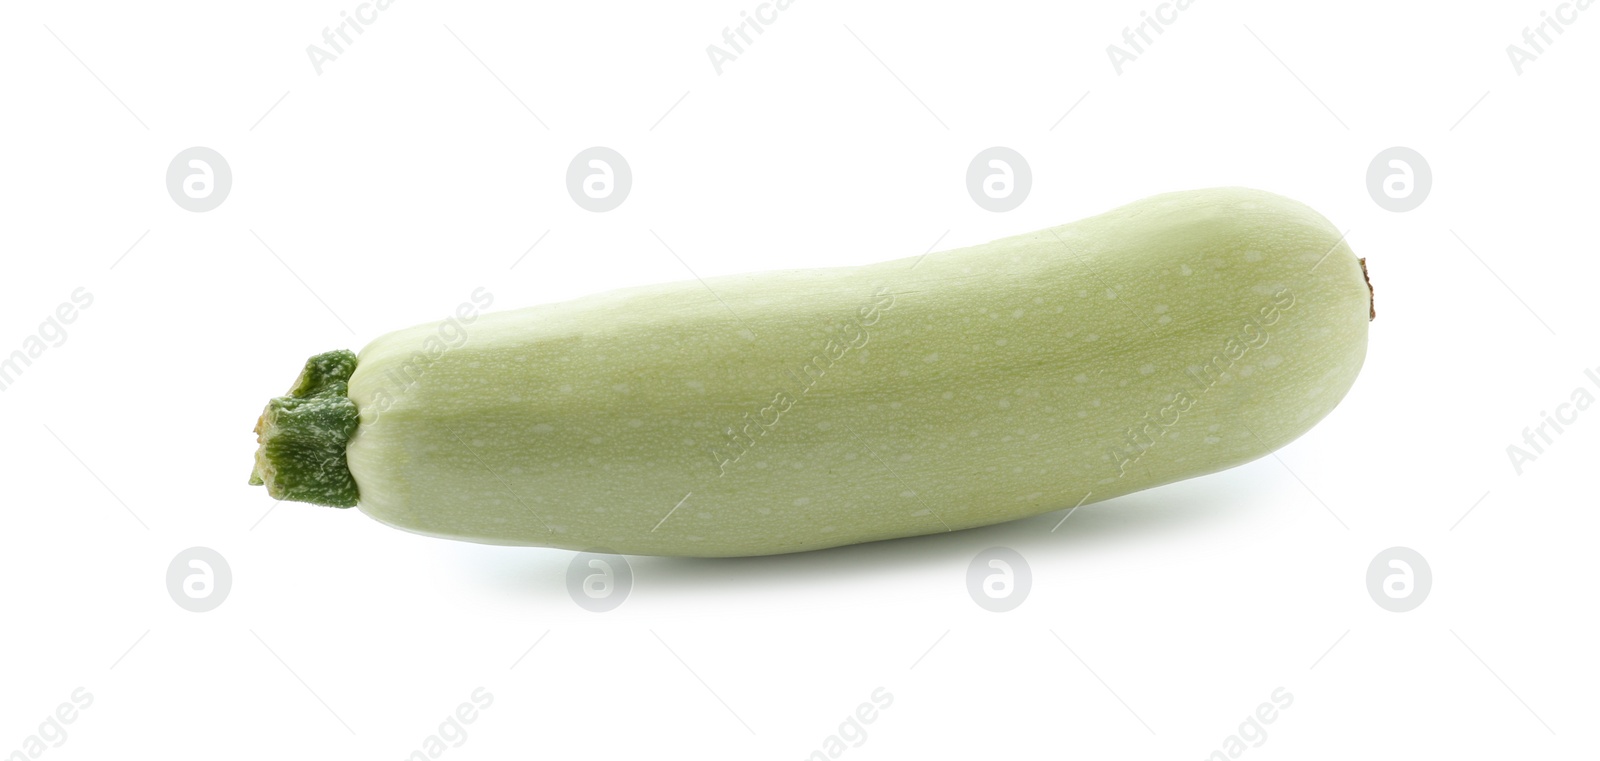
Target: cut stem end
(302, 436)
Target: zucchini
(794, 410)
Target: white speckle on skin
(802, 502)
(931, 358)
(1147, 369)
(908, 494)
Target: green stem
(303, 435)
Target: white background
(410, 172)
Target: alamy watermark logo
(598, 179)
(198, 179)
(1399, 579)
(998, 179)
(999, 579)
(599, 581)
(1398, 179)
(51, 334)
(199, 579)
(1536, 39)
(1543, 435)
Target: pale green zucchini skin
(1172, 337)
